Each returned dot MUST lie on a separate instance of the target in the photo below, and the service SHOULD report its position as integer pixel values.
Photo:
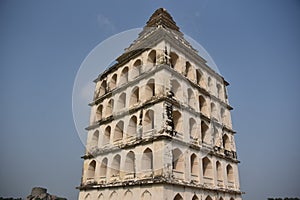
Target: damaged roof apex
(161, 17)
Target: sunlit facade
(160, 125)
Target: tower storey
(160, 125)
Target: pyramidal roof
(160, 22)
(161, 17)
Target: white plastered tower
(160, 125)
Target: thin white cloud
(105, 23)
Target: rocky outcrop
(38, 193)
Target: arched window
(191, 98)
(194, 165)
(208, 198)
(91, 171)
(207, 168)
(136, 68)
(176, 89)
(230, 175)
(209, 83)
(129, 164)
(106, 136)
(99, 112)
(149, 89)
(109, 107)
(101, 197)
(132, 127)
(219, 91)
(231, 198)
(173, 60)
(226, 142)
(122, 101)
(213, 110)
(103, 168)
(177, 160)
(103, 88)
(148, 121)
(119, 129)
(135, 96)
(128, 195)
(87, 196)
(124, 76)
(177, 120)
(195, 197)
(113, 196)
(152, 58)
(219, 173)
(178, 197)
(189, 71)
(95, 139)
(200, 78)
(202, 105)
(146, 195)
(204, 133)
(147, 160)
(113, 82)
(193, 129)
(115, 166)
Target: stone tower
(160, 125)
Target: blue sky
(43, 43)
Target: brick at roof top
(161, 17)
